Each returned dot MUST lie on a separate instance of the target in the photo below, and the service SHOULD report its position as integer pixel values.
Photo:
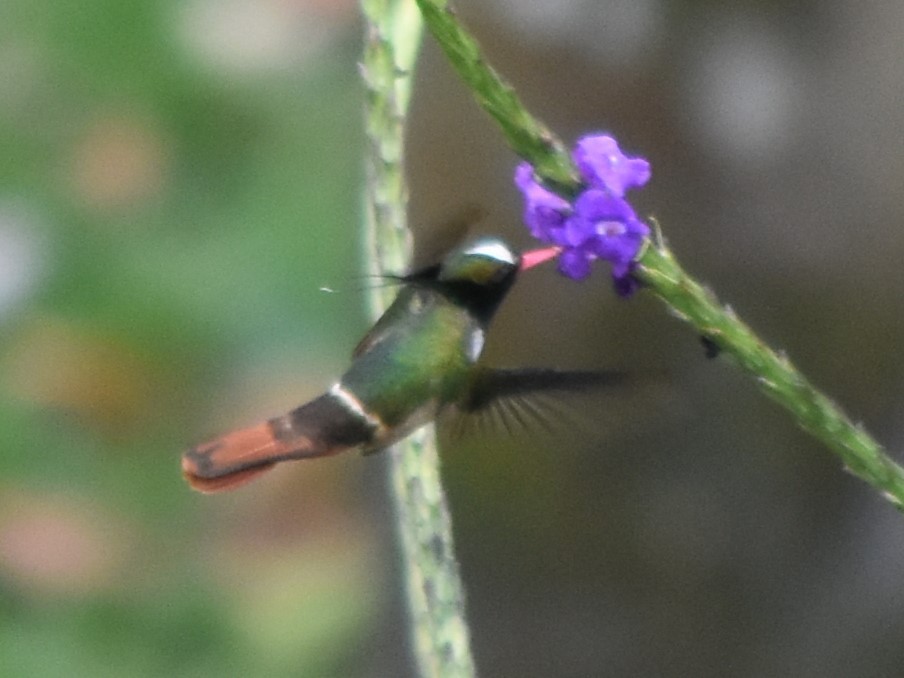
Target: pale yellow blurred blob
(241, 38)
(118, 163)
(58, 364)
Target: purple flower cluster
(599, 223)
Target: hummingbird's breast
(416, 362)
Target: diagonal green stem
(440, 632)
(524, 133)
(658, 270)
(775, 374)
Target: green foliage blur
(180, 178)
(177, 181)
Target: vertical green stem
(435, 595)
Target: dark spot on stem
(710, 348)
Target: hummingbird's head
(479, 274)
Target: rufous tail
(236, 458)
(322, 427)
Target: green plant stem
(774, 373)
(660, 272)
(524, 133)
(440, 634)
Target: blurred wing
(492, 386)
(520, 404)
(442, 237)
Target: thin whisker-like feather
(503, 409)
(538, 413)
(520, 414)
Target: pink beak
(532, 258)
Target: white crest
(492, 249)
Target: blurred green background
(178, 181)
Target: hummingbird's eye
(500, 273)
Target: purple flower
(605, 226)
(599, 224)
(602, 165)
(544, 211)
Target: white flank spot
(475, 345)
(493, 249)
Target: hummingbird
(419, 360)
